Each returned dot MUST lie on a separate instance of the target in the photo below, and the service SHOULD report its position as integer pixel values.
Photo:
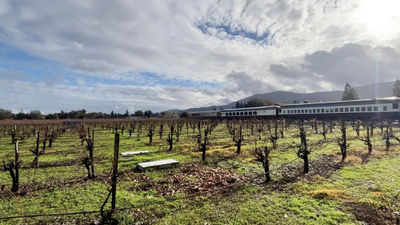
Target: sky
(137, 55)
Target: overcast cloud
(159, 55)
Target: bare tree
(150, 132)
(238, 138)
(161, 130)
(274, 138)
(262, 155)
(387, 134)
(13, 168)
(303, 151)
(203, 146)
(88, 161)
(367, 140)
(356, 127)
(343, 143)
(36, 151)
(324, 130)
(170, 139)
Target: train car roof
(350, 102)
(252, 108)
(204, 111)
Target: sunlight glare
(381, 17)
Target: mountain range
(377, 90)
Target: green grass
(309, 200)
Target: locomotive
(364, 109)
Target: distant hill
(367, 91)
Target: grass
(60, 184)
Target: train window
(241, 113)
(245, 113)
(369, 108)
(322, 110)
(384, 108)
(317, 110)
(363, 109)
(336, 109)
(357, 109)
(351, 109)
(395, 105)
(302, 111)
(331, 110)
(237, 114)
(250, 113)
(341, 109)
(346, 109)
(375, 108)
(255, 113)
(313, 110)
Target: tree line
(254, 102)
(74, 114)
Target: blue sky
(182, 53)
(37, 69)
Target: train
(364, 109)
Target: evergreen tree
(255, 102)
(139, 113)
(237, 105)
(349, 93)
(396, 88)
(148, 113)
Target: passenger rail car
(383, 108)
(263, 111)
(204, 114)
(372, 109)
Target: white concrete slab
(160, 164)
(134, 153)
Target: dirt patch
(354, 160)
(366, 213)
(321, 168)
(334, 194)
(193, 180)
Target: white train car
(204, 114)
(380, 108)
(263, 111)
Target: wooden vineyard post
(107, 217)
(16, 183)
(91, 152)
(115, 172)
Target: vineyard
(249, 171)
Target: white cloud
(120, 39)
(102, 97)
